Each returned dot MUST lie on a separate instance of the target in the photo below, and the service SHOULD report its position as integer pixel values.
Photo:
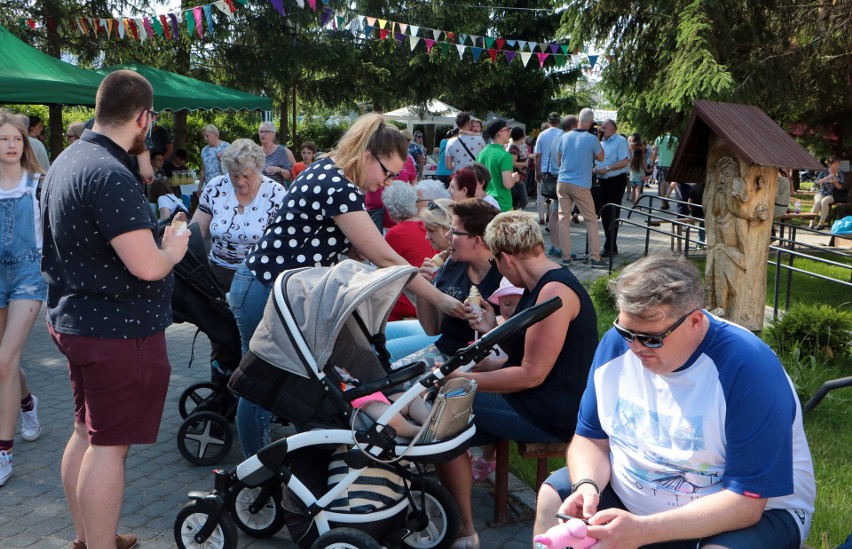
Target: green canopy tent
(175, 92)
(29, 76)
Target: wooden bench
(540, 451)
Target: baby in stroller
(342, 482)
(376, 404)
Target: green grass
(828, 427)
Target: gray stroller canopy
(308, 308)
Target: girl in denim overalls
(22, 288)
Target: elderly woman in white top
(235, 209)
(279, 160)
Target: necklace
(241, 206)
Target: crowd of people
(670, 445)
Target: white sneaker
(5, 466)
(30, 427)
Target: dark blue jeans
(776, 529)
(247, 299)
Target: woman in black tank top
(534, 396)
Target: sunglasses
(388, 174)
(648, 340)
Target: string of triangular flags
(165, 25)
(511, 49)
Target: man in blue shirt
(546, 169)
(612, 175)
(577, 152)
(689, 428)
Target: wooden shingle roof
(747, 130)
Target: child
(637, 167)
(506, 297)
(375, 404)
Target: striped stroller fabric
(376, 489)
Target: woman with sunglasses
(405, 337)
(279, 159)
(322, 219)
(535, 394)
(466, 266)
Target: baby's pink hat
(506, 288)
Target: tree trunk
(179, 130)
(738, 205)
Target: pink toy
(567, 534)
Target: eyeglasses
(648, 340)
(265, 131)
(388, 174)
(154, 115)
(461, 233)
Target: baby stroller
(205, 436)
(344, 480)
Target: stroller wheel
(205, 438)
(189, 522)
(441, 515)
(199, 397)
(257, 511)
(345, 538)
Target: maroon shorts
(119, 385)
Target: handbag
(452, 411)
(548, 186)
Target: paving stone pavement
(33, 511)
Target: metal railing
(788, 248)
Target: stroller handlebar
(480, 348)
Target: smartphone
(567, 517)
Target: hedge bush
(821, 331)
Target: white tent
(435, 113)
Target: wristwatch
(583, 481)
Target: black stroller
(205, 437)
(344, 481)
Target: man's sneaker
(598, 263)
(605, 253)
(553, 250)
(5, 466)
(30, 427)
(123, 541)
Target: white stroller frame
(377, 443)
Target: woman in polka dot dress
(322, 219)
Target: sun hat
(505, 288)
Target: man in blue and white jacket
(689, 432)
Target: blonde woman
(323, 218)
(535, 395)
(22, 288)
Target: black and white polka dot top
(303, 232)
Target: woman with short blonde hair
(534, 396)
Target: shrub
(326, 137)
(821, 331)
(601, 296)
